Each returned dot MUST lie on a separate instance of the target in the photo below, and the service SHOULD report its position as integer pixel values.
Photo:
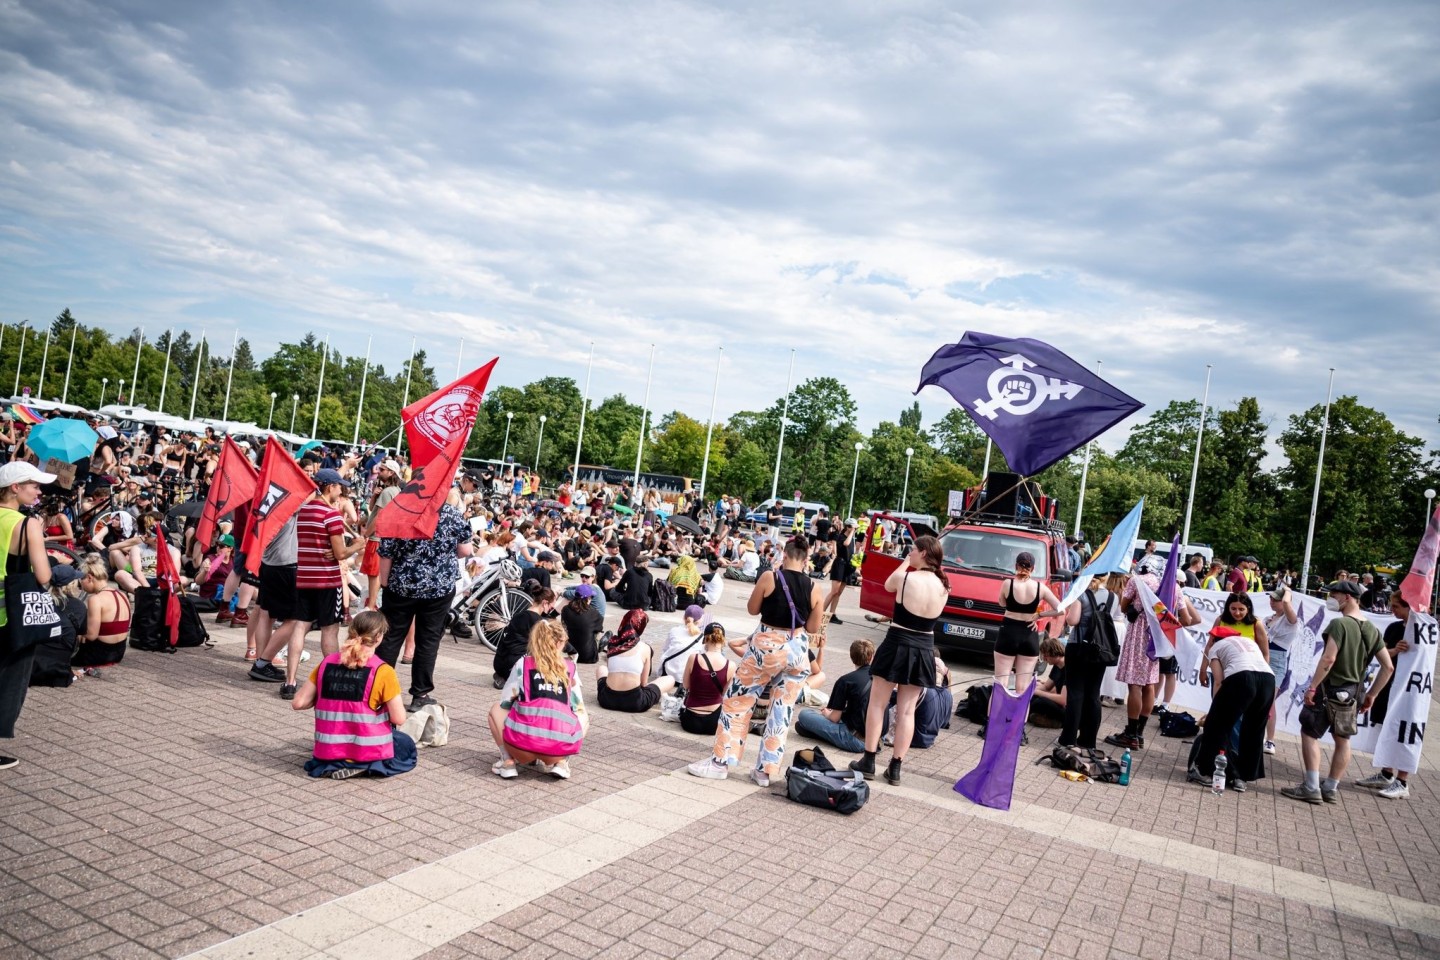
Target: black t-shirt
(514, 641)
(775, 610)
(1057, 677)
(843, 550)
(539, 574)
(822, 528)
(629, 550)
(851, 696)
(772, 517)
(606, 571)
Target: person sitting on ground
(215, 569)
(932, 712)
(107, 619)
(842, 722)
(685, 578)
(516, 638)
(706, 675)
(541, 716)
(747, 567)
(680, 643)
(712, 588)
(634, 589)
(357, 702)
(583, 622)
(620, 679)
(1047, 707)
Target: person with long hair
(1243, 688)
(790, 606)
(19, 490)
(541, 716)
(583, 622)
(707, 673)
(1138, 669)
(905, 660)
(357, 703)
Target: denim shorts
(1279, 661)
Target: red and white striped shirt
(315, 524)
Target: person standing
(840, 568)
(19, 488)
(1281, 629)
(418, 578)
(387, 487)
(1390, 783)
(1138, 669)
(1085, 668)
(1243, 688)
(1334, 697)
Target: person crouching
(356, 697)
(541, 715)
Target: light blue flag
(1114, 556)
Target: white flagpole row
(364, 376)
(195, 383)
(44, 362)
(644, 413)
(710, 425)
(20, 358)
(165, 377)
(229, 377)
(1195, 467)
(584, 402)
(400, 441)
(70, 365)
(320, 389)
(784, 418)
(135, 375)
(1315, 497)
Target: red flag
(415, 511)
(232, 486)
(1415, 589)
(280, 491)
(432, 422)
(167, 573)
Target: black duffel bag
(841, 792)
(148, 630)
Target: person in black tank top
(776, 657)
(1018, 646)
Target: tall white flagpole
(1315, 497)
(364, 375)
(985, 470)
(584, 402)
(195, 384)
(784, 418)
(1084, 475)
(400, 443)
(320, 389)
(1195, 467)
(69, 365)
(165, 377)
(644, 412)
(135, 376)
(459, 358)
(710, 427)
(44, 362)
(229, 377)
(20, 358)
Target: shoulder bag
(30, 609)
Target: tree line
(1370, 512)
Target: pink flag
(1419, 582)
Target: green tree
(680, 446)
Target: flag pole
(400, 442)
(364, 375)
(459, 358)
(70, 364)
(20, 357)
(1315, 497)
(195, 383)
(1195, 467)
(320, 389)
(584, 402)
(1084, 473)
(229, 377)
(985, 470)
(165, 377)
(135, 376)
(644, 412)
(784, 418)
(710, 427)
(44, 362)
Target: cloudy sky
(1156, 186)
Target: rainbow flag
(26, 414)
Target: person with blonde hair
(541, 718)
(357, 703)
(107, 621)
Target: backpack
(976, 705)
(1092, 763)
(147, 623)
(662, 597)
(1101, 640)
(1178, 724)
(829, 790)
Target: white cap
(393, 466)
(22, 471)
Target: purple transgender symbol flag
(992, 781)
(1036, 403)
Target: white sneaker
(1376, 781)
(504, 769)
(559, 769)
(709, 769)
(1397, 790)
(1270, 747)
(758, 775)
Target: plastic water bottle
(1217, 782)
(1125, 769)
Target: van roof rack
(1008, 520)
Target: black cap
(1348, 587)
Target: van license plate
(960, 630)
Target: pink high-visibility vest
(345, 726)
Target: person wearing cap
(19, 488)
(418, 579)
(546, 565)
(583, 621)
(1334, 695)
(597, 600)
(216, 568)
(319, 583)
(387, 486)
(1282, 628)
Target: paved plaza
(162, 812)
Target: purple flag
(993, 779)
(1168, 594)
(1036, 403)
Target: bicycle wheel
(493, 614)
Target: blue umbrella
(62, 439)
(306, 448)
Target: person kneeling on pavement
(541, 716)
(841, 723)
(1047, 707)
(357, 703)
(620, 678)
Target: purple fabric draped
(993, 779)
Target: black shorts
(245, 575)
(320, 607)
(1017, 639)
(277, 591)
(1169, 666)
(626, 701)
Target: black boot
(865, 766)
(892, 772)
